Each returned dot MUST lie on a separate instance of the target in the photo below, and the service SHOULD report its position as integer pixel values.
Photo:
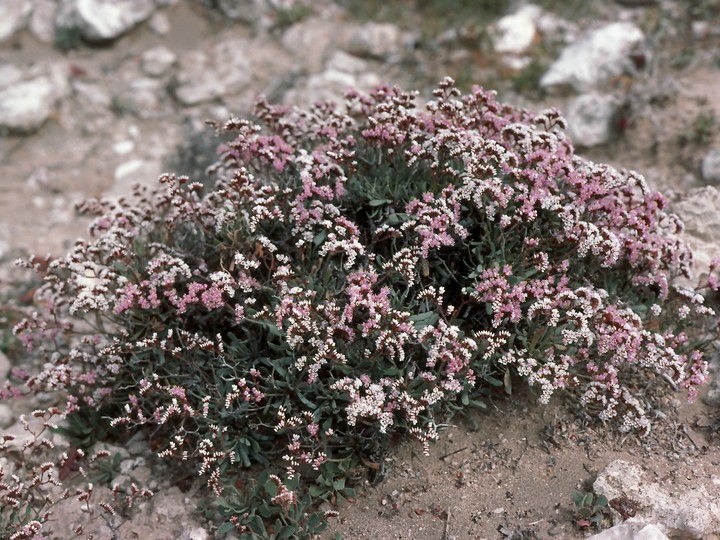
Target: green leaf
(270, 488)
(422, 320)
(379, 202)
(396, 219)
(477, 404)
(314, 520)
(225, 528)
(265, 511)
(305, 401)
(339, 484)
(258, 526)
(320, 238)
(507, 382)
(286, 532)
(317, 491)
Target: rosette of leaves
(358, 273)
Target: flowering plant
(354, 274)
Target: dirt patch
(511, 473)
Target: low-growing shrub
(359, 273)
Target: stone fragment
(346, 63)
(142, 97)
(9, 75)
(93, 95)
(158, 60)
(160, 24)
(592, 61)
(4, 367)
(204, 77)
(699, 210)
(631, 529)
(711, 166)
(712, 398)
(102, 20)
(693, 513)
(26, 105)
(135, 171)
(7, 417)
(379, 40)
(13, 16)
(342, 71)
(248, 11)
(590, 118)
(197, 533)
(514, 33)
(310, 40)
(42, 21)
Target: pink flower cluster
(292, 301)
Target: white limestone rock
(28, 96)
(631, 529)
(592, 61)
(143, 97)
(134, 171)
(711, 166)
(103, 20)
(226, 70)
(694, 513)
(42, 21)
(589, 119)
(341, 72)
(310, 40)
(514, 33)
(4, 368)
(7, 416)
(157, 61)
(379, 40)
(13, 17)
(254, 12)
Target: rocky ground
(98, 94)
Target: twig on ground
(453, 452)
(687, 434)
(446, 530)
